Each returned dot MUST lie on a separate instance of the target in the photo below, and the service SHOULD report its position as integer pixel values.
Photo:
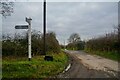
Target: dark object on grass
(48, 58)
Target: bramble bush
(18, 46)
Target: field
(16, 67)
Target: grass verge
(110, 55)
(16, 67)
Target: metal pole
(44, 25)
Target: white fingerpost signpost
(28, 20)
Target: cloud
(88, 19)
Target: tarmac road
(77, 69)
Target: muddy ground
(78, 70)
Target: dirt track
(78, 68)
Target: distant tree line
(0, 45)
(109, 42)
(18, 45)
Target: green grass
(0, 68)
(36, 68)
(0, 59)
(110, 55)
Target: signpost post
(28, 20)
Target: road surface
(83, 65)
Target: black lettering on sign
(21, 27)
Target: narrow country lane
(83, 65)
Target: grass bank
(16, 67)
(110, 55)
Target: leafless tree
(6, 8)
(74, 38)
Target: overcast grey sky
(88, 19)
